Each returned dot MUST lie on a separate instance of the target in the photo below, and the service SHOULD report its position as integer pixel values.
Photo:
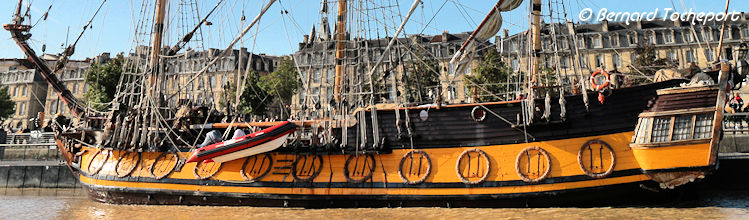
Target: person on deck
(238, 133)
(211, 137)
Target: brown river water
(72, 204)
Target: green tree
(647, 63)
(492, 75)
(283, 83)
(421, 77)
(253, 100)
(102, 80)
(7, 106)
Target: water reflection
(72, 204)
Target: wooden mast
(158, 31)
(340, 49)
(536, 34)
(530, 105)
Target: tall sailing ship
(360, 152)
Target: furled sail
(487, 29)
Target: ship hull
(331, 187)
(628, 193)
(587, 160)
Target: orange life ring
(602, 86)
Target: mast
(20, 35)
(536, 34)
(530, 104)
(340, 48)
(158, 31)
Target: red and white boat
(256, 143)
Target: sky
(278, 33)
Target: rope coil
(366, 177)
(487, 168)
(197, 168)
(155, 161)
(127, 172)
(262, 174)
(547, 164)
(295, 167)
(97, 169)
(426, 173)
(612, 156)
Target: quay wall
(36, 176)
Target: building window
(651, 38)
(632, 58)
(599, 61)
(316, 76)
(514, 65)
(581, 42)
(669, 36)
(690, 56)
(53, 107)
(688, 37)
(745, 32)
(562, 43)
(614, 40)
(330, 76)
(632, 39)
(707, 34)
(617, 60)
(22, 110)
(597, 41)
(15, 91)
(583, 64)
(709, 56)
(671, 55)
(563, 62)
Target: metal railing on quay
(33, 146)
(736, 123)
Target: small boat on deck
(255, 143)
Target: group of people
(736, 104)
(215, 136)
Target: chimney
(677, 23)
(505, 33)
(444, 36)
(639, 24)
(605, 25)
(306, 39)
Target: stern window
(703, 127)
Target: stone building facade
(611, 45)
(32, 94)
(209, 87)
(316, 61)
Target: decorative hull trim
(626, 193)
